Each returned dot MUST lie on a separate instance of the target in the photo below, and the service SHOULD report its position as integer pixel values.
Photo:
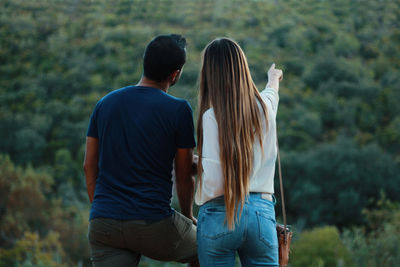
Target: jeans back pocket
(212, 223)
(267, 229)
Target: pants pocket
(212, 223)
(182, 224)
(98, 232)
(267, 229)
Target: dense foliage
(338, 120)
(320, 247)
(377, 243)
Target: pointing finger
(272, 67)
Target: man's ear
(174, 76)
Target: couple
(137, 133)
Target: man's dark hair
(164, 55)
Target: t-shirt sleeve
(92, 130)
(271, 97)
(185, 127)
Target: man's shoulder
(116, 93)
(174, 99)
(153, 97)
(176, 102)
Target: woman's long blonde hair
(226, 86)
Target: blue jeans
(254, 237)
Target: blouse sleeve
(210, 137)
(271, 95)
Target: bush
(378, 243)
(320, 247)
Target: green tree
(378, 242)
(31, 250)
(31, 211)
(335, 182)
(320, 247)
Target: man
(133, 136)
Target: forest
(338, 119)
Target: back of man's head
(164, 55)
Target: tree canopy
(338, 119)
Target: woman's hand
(274, 77)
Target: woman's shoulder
(209, 113)
(209, 118)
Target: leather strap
(281, 186)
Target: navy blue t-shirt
(139, 129)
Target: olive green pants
(121, 243)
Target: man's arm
(90, 165)
(195, 164)
(185, 183)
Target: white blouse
(262, 176)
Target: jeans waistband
(252, 196)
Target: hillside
(338, 119)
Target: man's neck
(144, 81)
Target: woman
(237, 152)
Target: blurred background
(338, 119)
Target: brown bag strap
(281, 185)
